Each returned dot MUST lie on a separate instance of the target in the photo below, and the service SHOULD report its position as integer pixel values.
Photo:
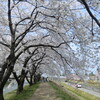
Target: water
(11, 88)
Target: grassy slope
(80, 93)
(61, 93)
(27, 93)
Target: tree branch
(90, 13)
(4, 44)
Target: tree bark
(4, 79)
(20, 86)
(31, 80)
(35, 79)
(21, 83)
(27, 79)
(1, 94)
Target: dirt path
(44, 92)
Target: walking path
(45, 92)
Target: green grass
(24, 95)
(83, 94)
(7, 83)
(89, 82)
(61, 93)
(93, 83)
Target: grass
(83, 94)
(26, 93)
(93, 83)
(7, 83)
(61, 93)
(89, 82)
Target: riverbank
(42, 91)
(12, 87)
(24, 95)
(50, 91)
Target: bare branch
(90, 13)
(4, 44)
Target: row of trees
(36, 36)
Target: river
(11, 88)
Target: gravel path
(44, 92)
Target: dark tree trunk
(20, 80)
(20, 87)
(1, 94)
(31, 84)
(31, 80)
(35, 79)
(4, 79)
(27, 80)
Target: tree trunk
(21, 81)
(31, 80)
(35, 79)
(4, 79)
(27, 80)
(20, 87)
(1, 94)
